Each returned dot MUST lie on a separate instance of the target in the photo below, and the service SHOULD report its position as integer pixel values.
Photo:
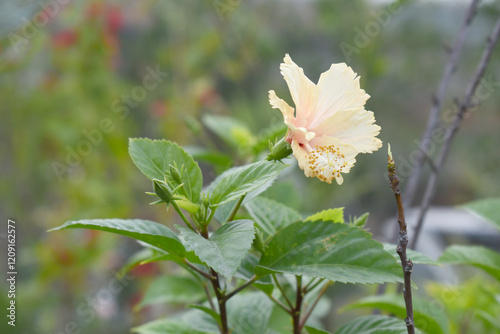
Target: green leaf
(144, 230)
(201, 321)
(153, 158)
(477, 256)
(375, 324)
(232, 131)
(168, 326)
(270, 215)
(226, 248)
(209, 311)
(425, 316)
(334, 215)
(361, 221)
(312, 330)
(172, 290)
(487, 209)
(137, 258)
(414, 256)
(337, 252)
(249, 313)
(219, 160)
(239, 181)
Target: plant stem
(222, 302)
(236, 208)
(403, 243)
(282, 291)
(464, 106)
(298, 306)
(235, 291)
(209, 296)
(221, 299)
(198, 270)
(310, 287)
(181, 214)
(280, 304)
(313, 305)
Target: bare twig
(433, 120)
(464, 106)
(403, 243)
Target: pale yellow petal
(301, 155)
(353, 127)
(303, 90)
(338, 89)
(280, 104)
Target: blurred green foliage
(74, 76)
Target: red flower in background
(65, 38)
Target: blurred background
(78, 78)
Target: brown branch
(437, 102)
(298, 307)
(403, 243)
(313, 305)
(452, 130)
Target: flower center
(327, 162)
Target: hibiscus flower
(329, 125)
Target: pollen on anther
(326, 162)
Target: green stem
(280, 304)
(308, 287)
(235, 209)
(181, 214)
(235, 291)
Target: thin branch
(235, 291)
(310, 287)
(452, 130)
(433, 120)
(236, 208)
(280, 304)
(282, 291)
(198, 270)
(209, 296)
(313, 305)
(403, 243)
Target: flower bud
(280, 150)
(163, 191)
(176, 174)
